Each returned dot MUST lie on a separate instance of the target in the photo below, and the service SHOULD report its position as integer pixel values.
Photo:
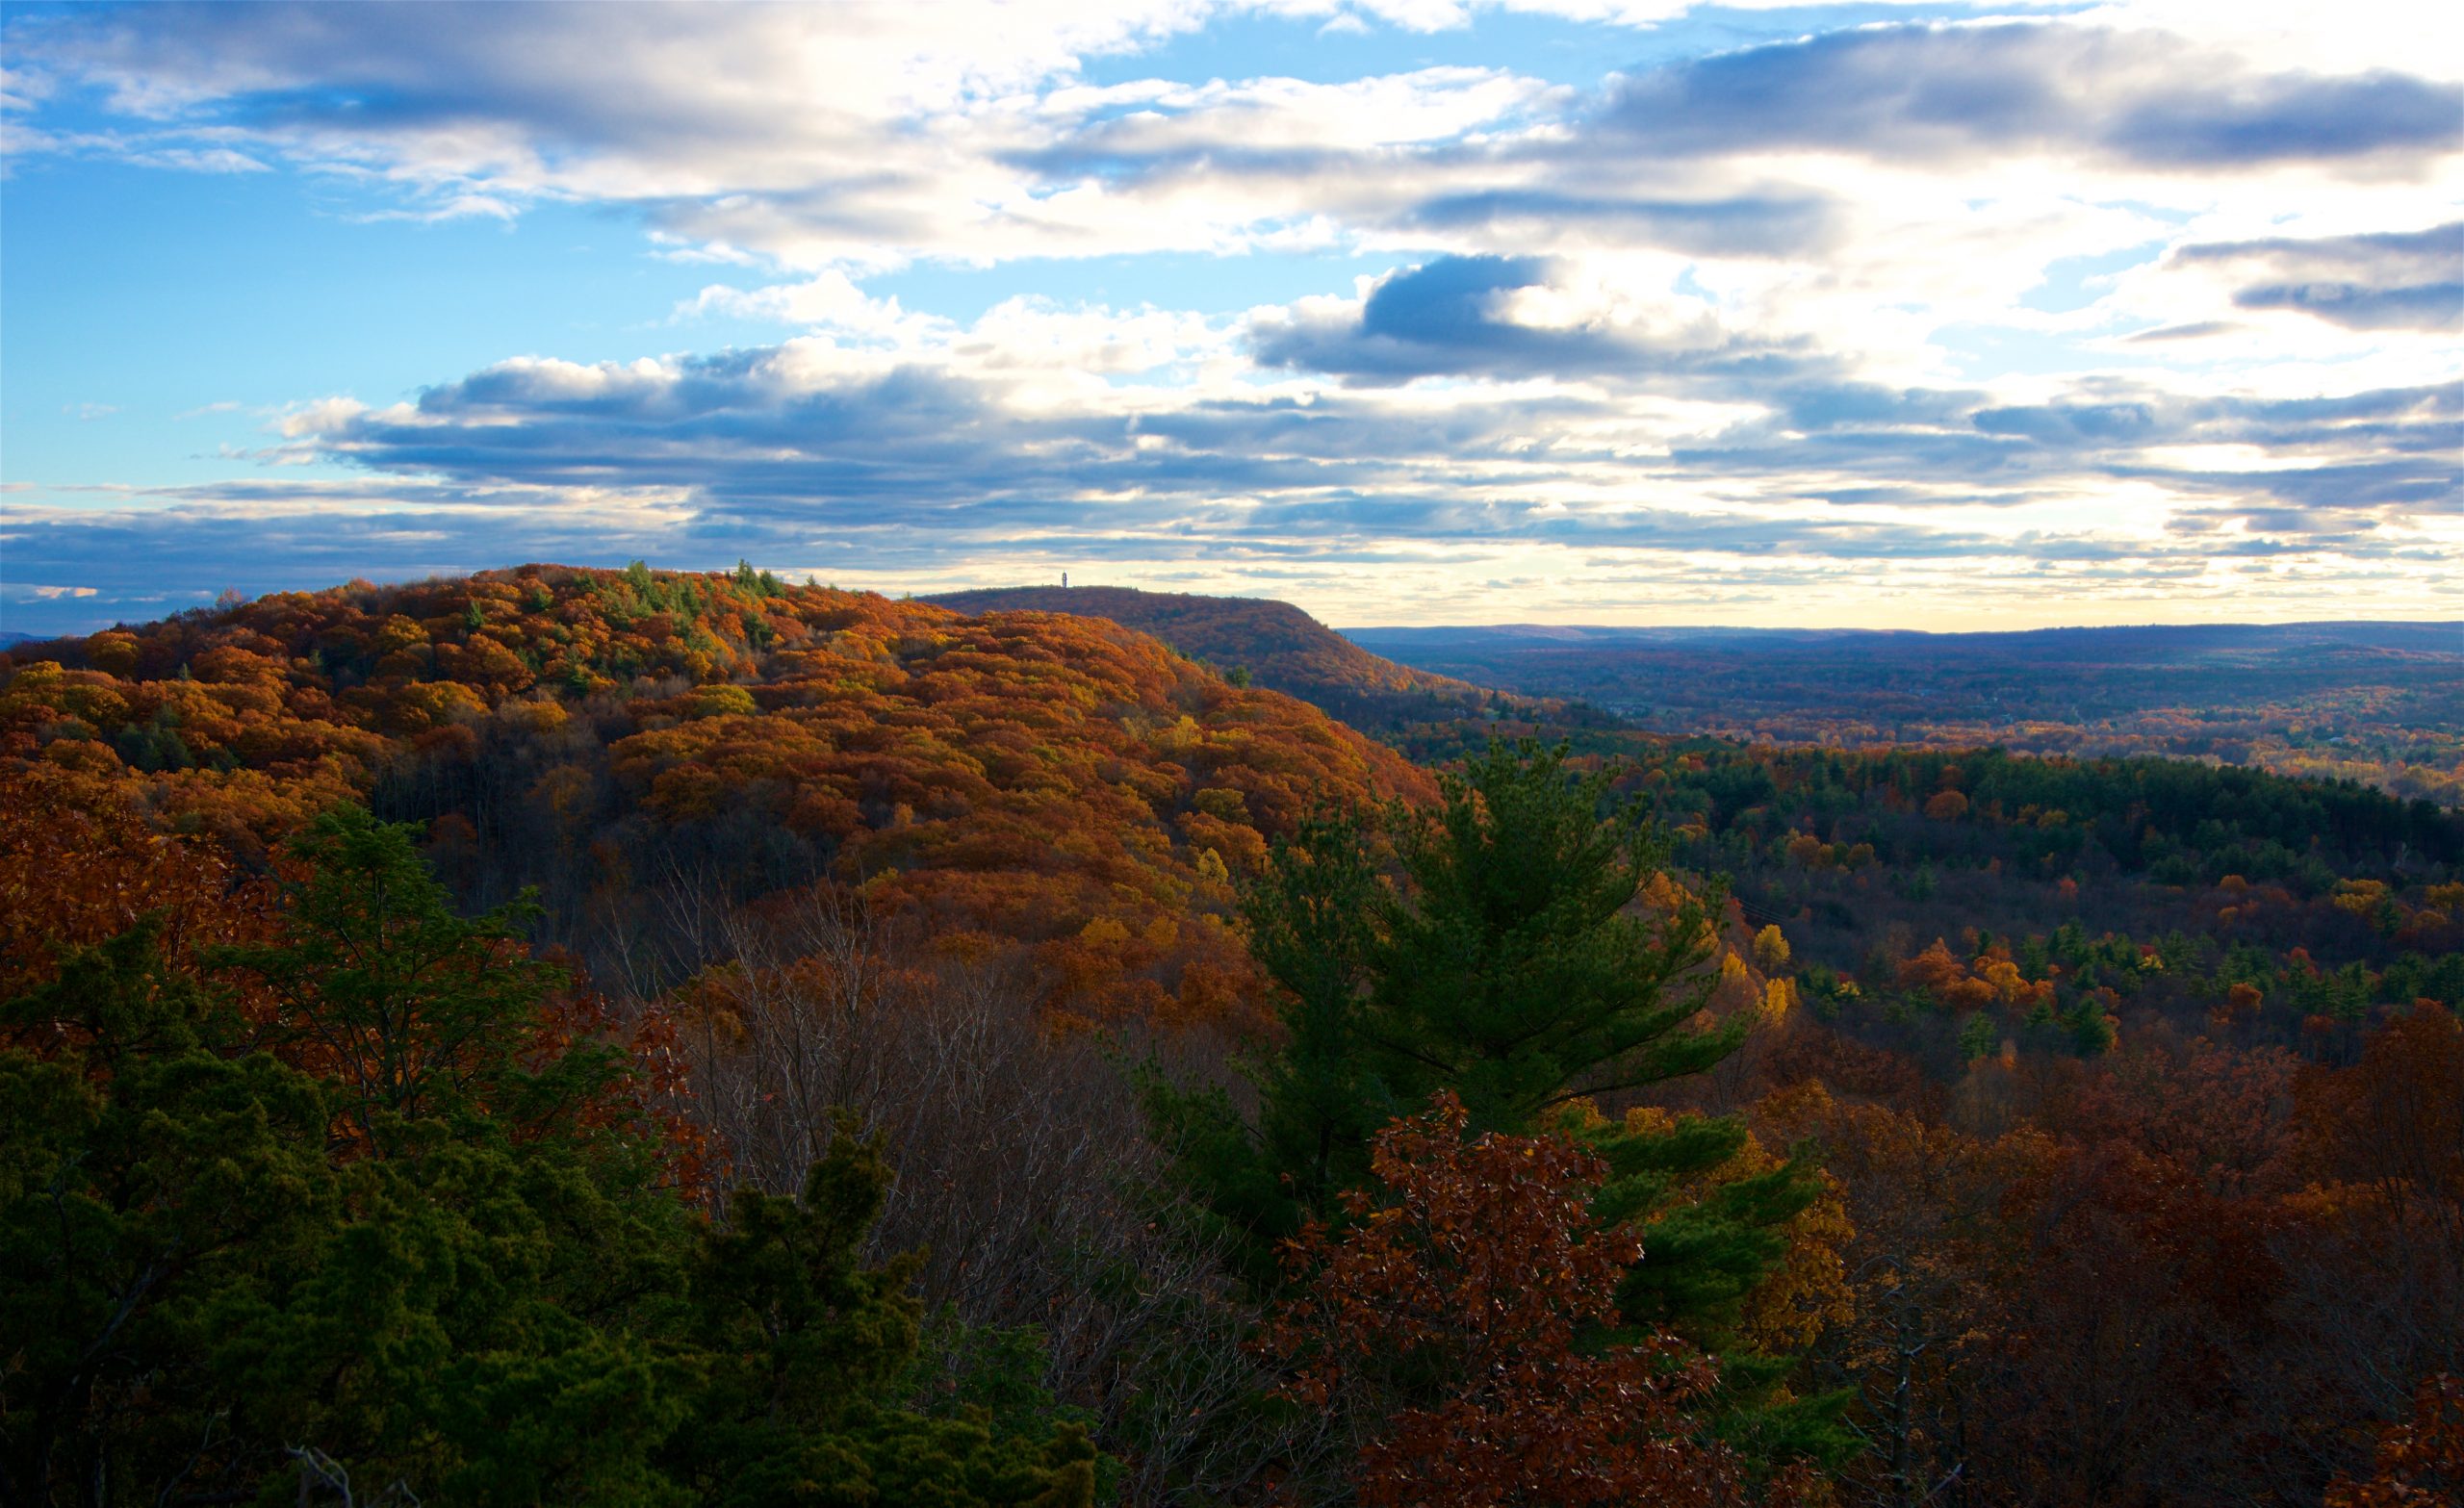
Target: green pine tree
(810, 1346)
(1505, 963)
(1504, 966)
(405, 1226)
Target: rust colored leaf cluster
(1459, 1320)
(2420, 1461)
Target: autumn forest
(573, 1035)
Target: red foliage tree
(1455, 1323)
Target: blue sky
(1412, 310)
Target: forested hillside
(1953, 905)
(646, 748)
(659, 1039)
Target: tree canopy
(373, 1207)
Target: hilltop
(627, 740)
(1274, 643)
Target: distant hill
(1278, 646)
(2163, 642)
(2376, 701)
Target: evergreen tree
(395, 1218)
(809, 1347)
(1515, 976)
(414, 1013)
(1507, 968)
(146, 1181)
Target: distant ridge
(2379, 701)
(2429, 635)
(1281, 646)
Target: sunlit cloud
(2086, 311)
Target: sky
(1922, 315)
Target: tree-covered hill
(619, 739)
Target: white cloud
(321, 416)
(449, 207)
(830, 300)
(1877, 299)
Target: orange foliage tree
(2420, 1462)
(82, 861)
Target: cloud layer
(2142, 312)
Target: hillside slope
(1278, 644)
(637, 743)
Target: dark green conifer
(1493, 947)
(391, 1219)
